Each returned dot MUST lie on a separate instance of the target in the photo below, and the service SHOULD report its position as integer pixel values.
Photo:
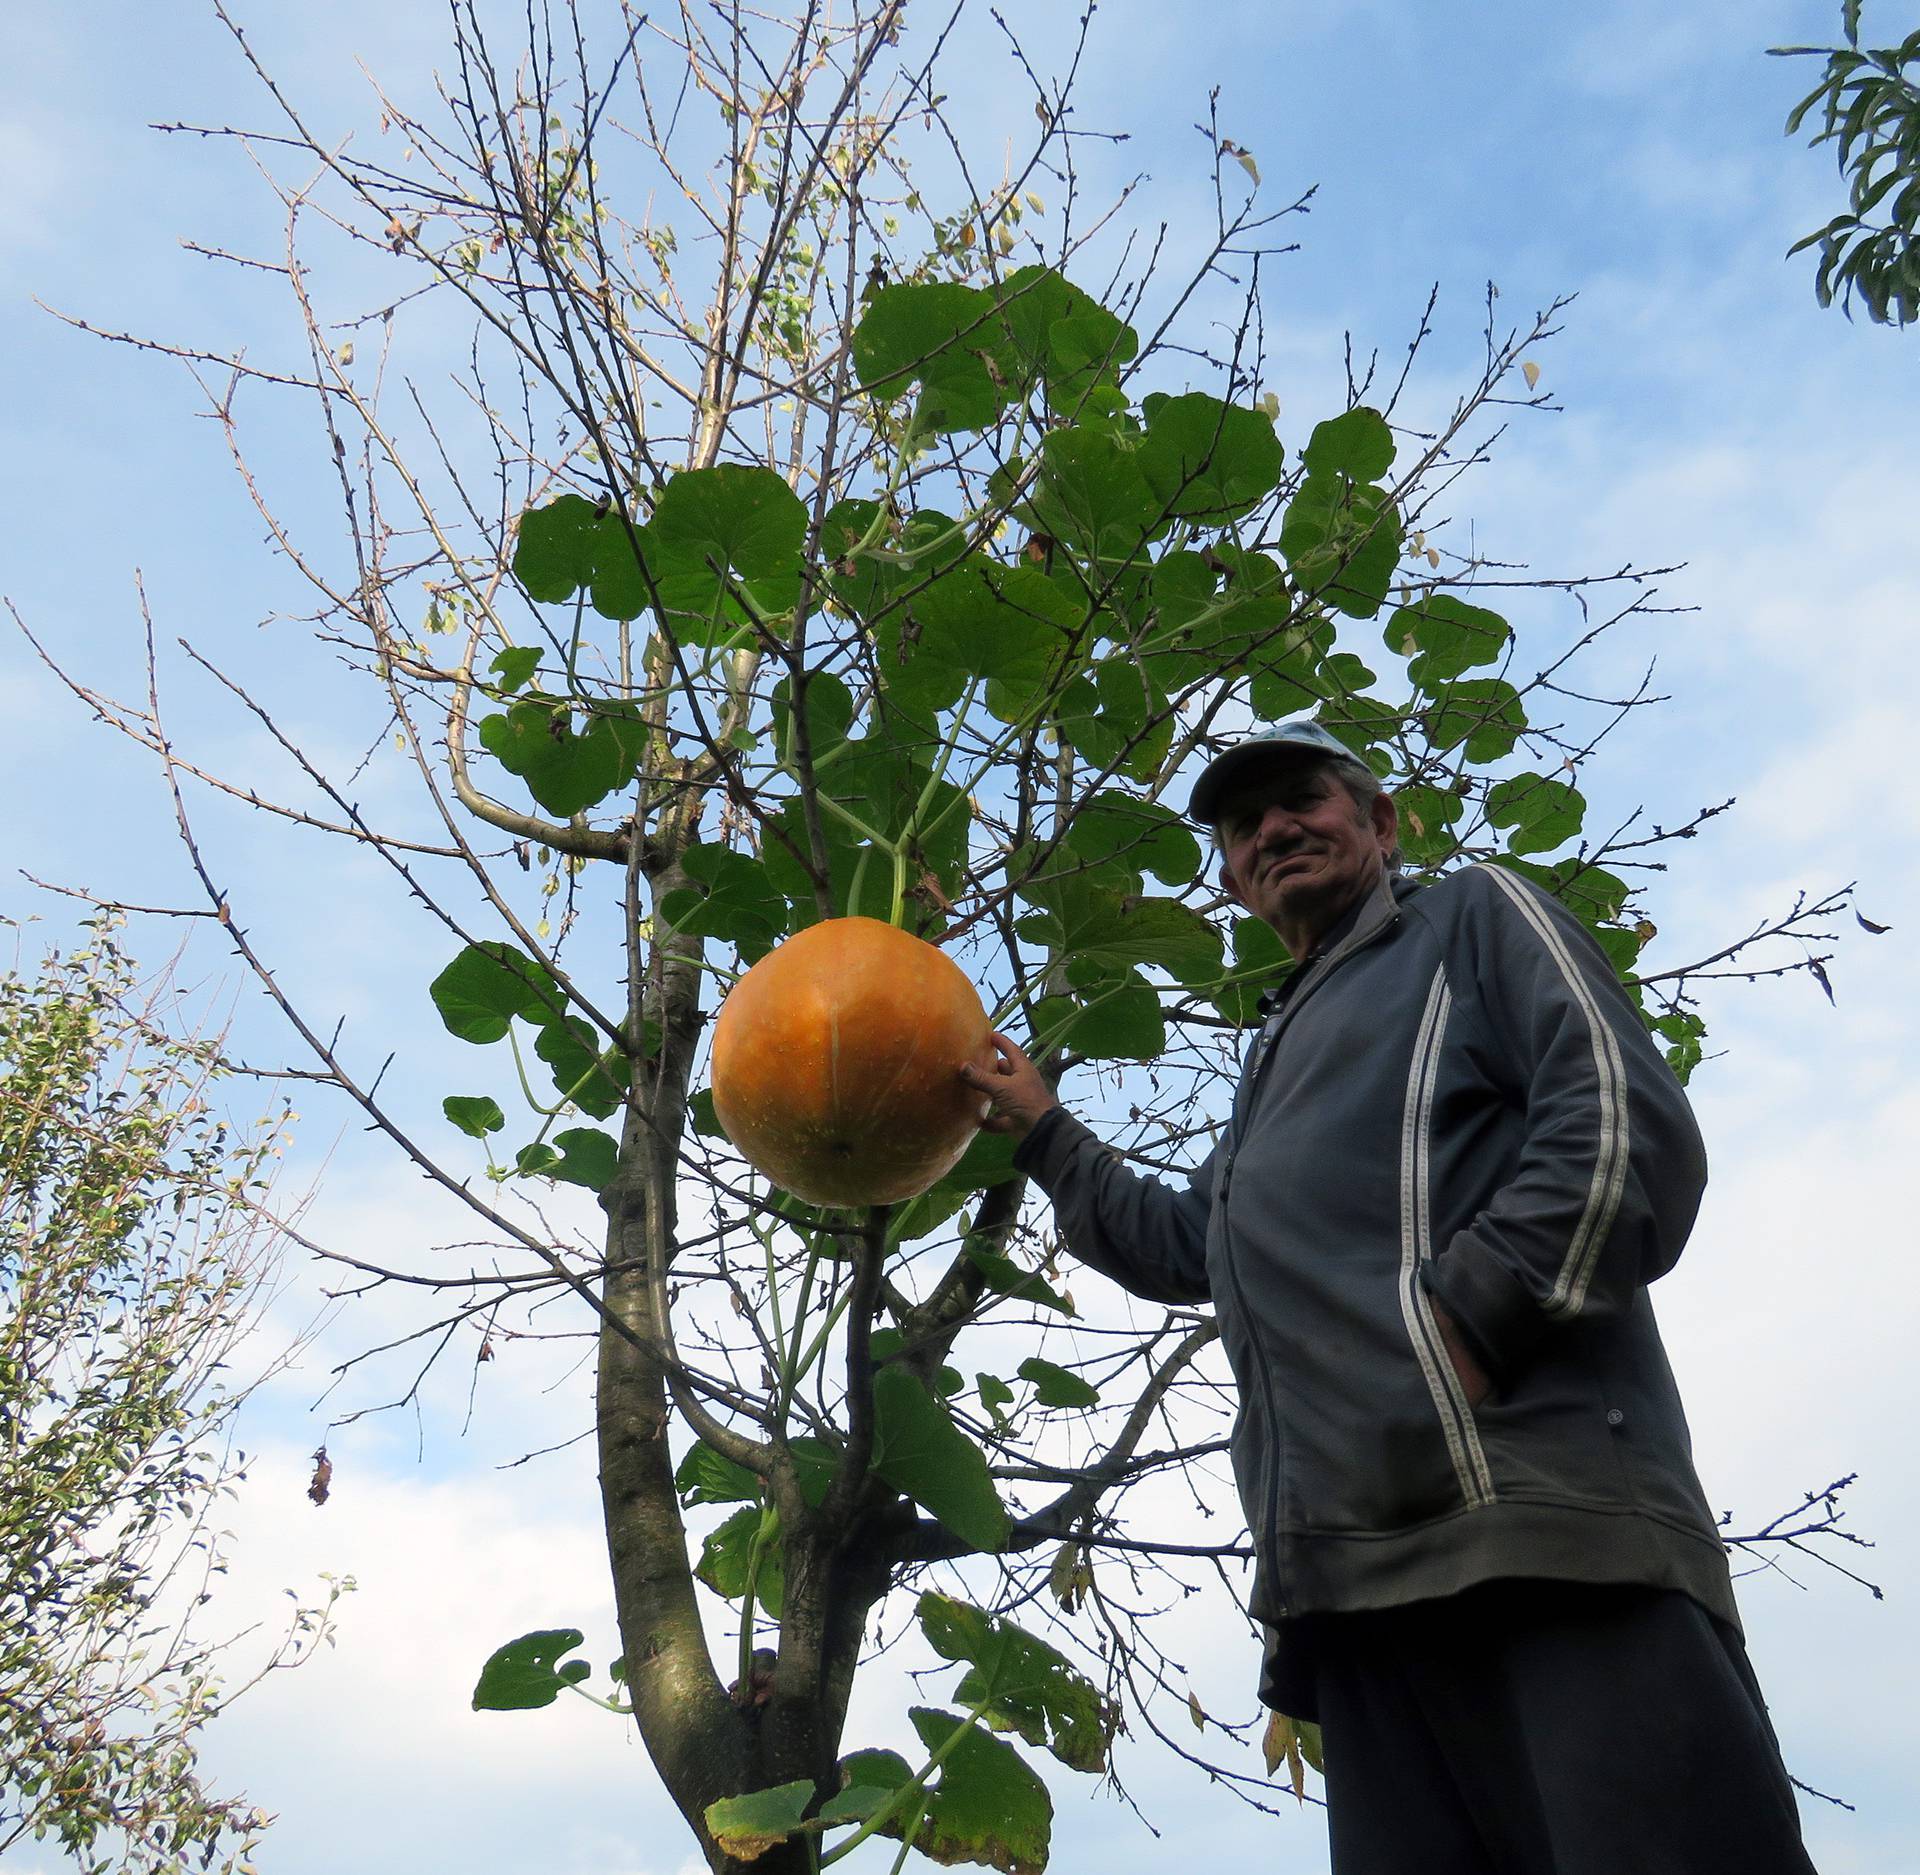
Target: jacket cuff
(1050, 1142)
(1502, 1323)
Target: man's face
(1296, 851)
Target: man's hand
(1017, 1090)
(1473, 1377)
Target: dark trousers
(1547, 1728)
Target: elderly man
(1454, 1163)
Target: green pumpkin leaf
(572, 543)
(1117, 931)
(995, 1395)
(1484, 714)
(1027, 1686)
(1055, 331)
(869, 1782)
(988, 1806)
(1685, 1032)
(1358, 445)
(921, 1452)
(487, 985)
(1056, 1386)
(1142, 835)
(566, 770)
(1116, 717)
(1542, 813)
(554, 551)
(733, 516)
(579, 1156)
(829, 716)
(1363, 724)
(987, 1162)
(906, 554)
(1623, 945)
(707, 1477)
(1428, 816)
(814, 1463)
(1113, 1021)
(857, 1802)
(1091, 493)
(905, 329)
(474, 1114)
(1008, 625)
(734, 898)
(949, 339)
(721, 539)
(1206, 459)
(1007, 1278)
(1342, 542)
(880, 783)
(1445, 637)
(1595, 896)
(523, 1675)
(593, 1081)
(515, 665)
(1259, 954)
(587, 1157)
(747, 1827)
(1086, 352)
(727, 1555)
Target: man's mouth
(1286, 861)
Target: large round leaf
(487, 985)
(1207, 459)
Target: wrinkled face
(1297, 851)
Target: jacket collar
(1352, 931)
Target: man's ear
(1229, 884)
(1386, 822)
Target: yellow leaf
(1003, 238)
(1433, 556)
(1062, 1576)
(1531, 372)
(1269, 406)
(968, 235)
(1646, 930)
(1196, 1712)
(1274, 1746)
(345, 353)
(1035, 203)
(1249, 165)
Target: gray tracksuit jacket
(1453, 1099)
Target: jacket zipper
(1256, 1073)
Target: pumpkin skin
(835, 1063)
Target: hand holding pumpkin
(1018, 1090)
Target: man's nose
(1278, 826)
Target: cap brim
(1232, 767)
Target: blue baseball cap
(1232, 766)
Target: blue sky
(1630, 154)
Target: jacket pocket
(1369, 1453)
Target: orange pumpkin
(835, 1058)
